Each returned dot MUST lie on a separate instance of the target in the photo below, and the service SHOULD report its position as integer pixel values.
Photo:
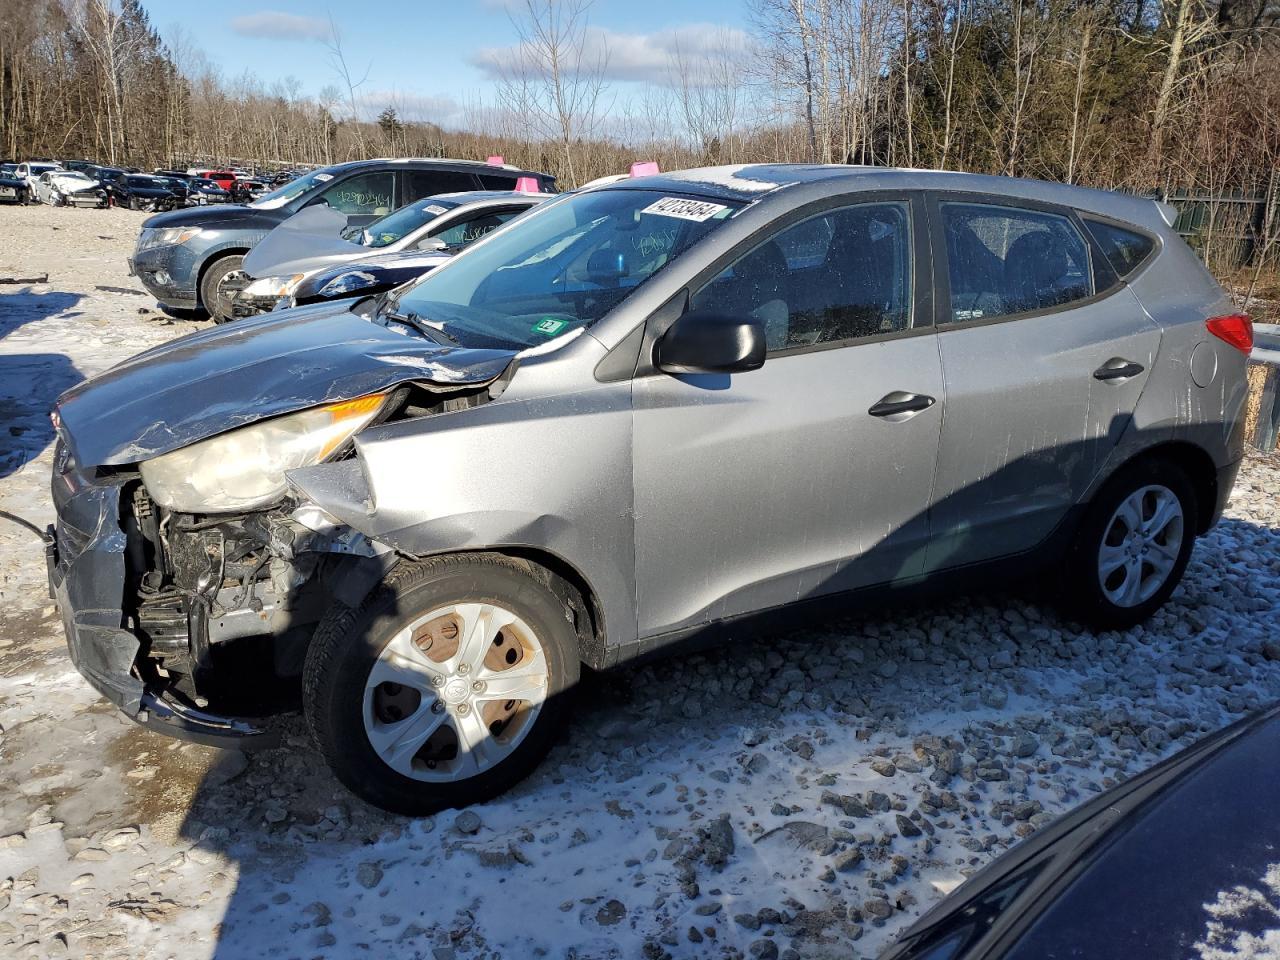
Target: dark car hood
(6, 181)
(232, 216)
(219, 379)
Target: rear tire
(215, 296)
(1133, 545)
(451, 737)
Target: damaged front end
(192, 625)
(189, 585)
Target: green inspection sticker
(549, 326)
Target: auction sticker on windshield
(696, 210)
(549, 326)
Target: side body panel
(761, 488)
(551, 473)
(1027, 428)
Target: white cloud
(273, 25)
(701, 50)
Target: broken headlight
(269, 288)
(244, 469)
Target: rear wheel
(219, 285)
(1134, 545)
(446, 687)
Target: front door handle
(900, 405)
(1118, 368)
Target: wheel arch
(209, 260)
(1198, 466)
(567, 581)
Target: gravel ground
(802, 795)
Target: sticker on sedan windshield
(697, 210)
(549, 326)
(324, 177)
(434, 208)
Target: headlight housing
(166, 236)
(273, 287)
(355, 280)
(244, 469)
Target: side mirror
(433, 245)
(706, 342)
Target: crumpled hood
(307, 241)
(74, 184)
(216, 380)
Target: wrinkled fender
(426, 487)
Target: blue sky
(427, 56)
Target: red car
(223, 178)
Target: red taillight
(1235, 329)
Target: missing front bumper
(86, 566)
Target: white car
(31, 169)
(68, 188)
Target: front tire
(218, 286)
(446, 687)
(1133, 546)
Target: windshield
(561, 268)
(393, 226)
(291, 190)
(147, 182)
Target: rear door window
(1007, 260)
(473, 228)
(427, 183)
(1126, 250)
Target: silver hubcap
(1140, 545)
(455, 692)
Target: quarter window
(1004, 260)
(427, 183)
(842, 275)
(366, 193)
(1124, 249)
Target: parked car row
(632, 416)
(84, 183)
(194, 258)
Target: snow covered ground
(802, 795)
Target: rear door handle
(1118, 368)
(900, 405)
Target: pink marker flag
(496, 160)
(527, 185)
(644, 168)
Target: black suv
(191, 258)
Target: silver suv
(639, 413)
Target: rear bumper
(85, 555)
(1225, 482)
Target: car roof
(479, 166)
(752, 182)
(478, 196)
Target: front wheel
(1133, 546)
(219, 285)
(445, 687)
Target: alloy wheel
(454, 692)
(1140, 546)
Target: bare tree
(556, 78)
